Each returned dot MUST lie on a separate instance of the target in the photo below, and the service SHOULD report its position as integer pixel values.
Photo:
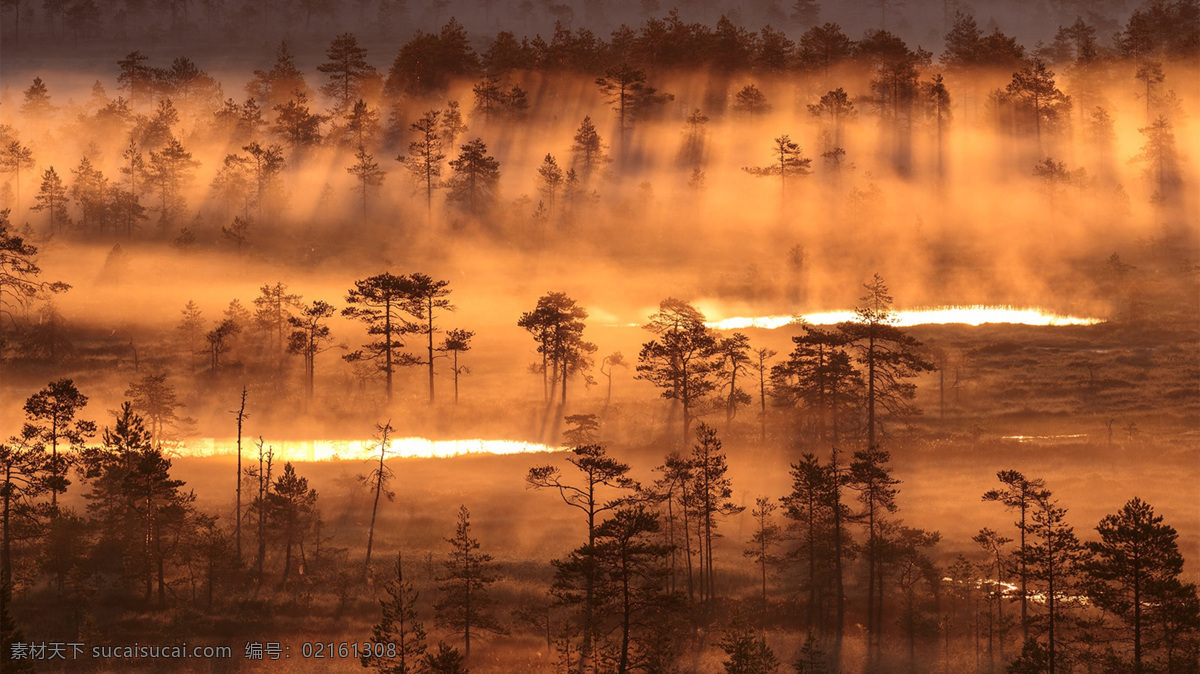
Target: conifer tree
(400, 625)
(464, 585)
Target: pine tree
(464, 586)
(368, 174)
(135, 501)
(377, 480)
(400, 626)
(275, 86)
(310, 336)
(51, 411)
(475, 178)
(751, 100)
(588, 151)
(790, 161)
(747, 651)
(888, 357)
(378, 301)
(1134, 573)
(52, 197)
(457, 341)
(156, 401)
(871, 477)
(296, 124)
(37, 101)
(557, 323)
(1034, 87)
(362, 125)
(347, 69)
(23, 468)
(604, 487)
(711, 491)
(680, 360)
(15, 158)
(292, 511)
(1020, 494)
(425, 156)
(170, 170)
(766, 536)
(550, 181)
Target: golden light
(355, 450)
(965, 315)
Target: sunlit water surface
(968, 315)
(326, 450)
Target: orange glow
(355, 450)
(967, 315)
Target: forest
(597, 337)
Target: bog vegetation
(533, 234)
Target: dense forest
(599, 337)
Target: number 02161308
(347, 649)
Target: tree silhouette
(400, 625)
(457, 341)
(1160, 157)
(1034, 87)
(888, 356)
(155, 401)
(751, 100)
(603, 481)
(362, 125)
(550, 181)
(424, 297)
(464, 586)
(710, 492)
(747, 651)
(1133, 572)
(377, 480)
(871, 477)
(993, 544)
(273, 313)
(762, 542)
(607, 364)
(588, 151)
(425, 157)
(23, 466)
(1052, 562)
(475, 177)
(631, 575)
(219, 339)
(680, 360)
(296, 124)
(732, 360)
(557, 323)
(822, 47)
(310, 336)
(52, 197)
(452, 125)
(90, 190)
(790, 161)
(837, 106)
(626, 90)
(19, 272)
(15, 158)
(266, 165)
(275, 86)
(135, 501)
(170, 170)
(368, 174)
(378, 301)
(52, 412)
(1021, 494)
(292, 509)
(347, 69)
